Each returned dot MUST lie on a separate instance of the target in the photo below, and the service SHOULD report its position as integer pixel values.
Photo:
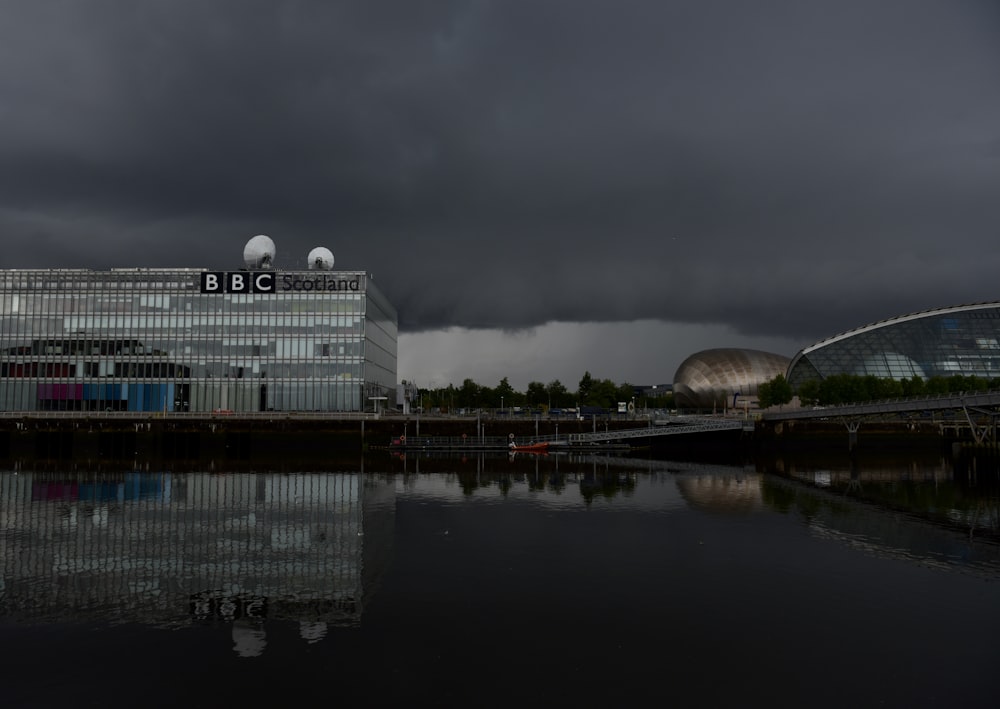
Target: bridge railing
(942, 402)
(677, 426)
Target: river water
(558, 580)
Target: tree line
(851, 389)
(590, 391)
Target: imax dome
(715, 378)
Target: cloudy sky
(542, 188)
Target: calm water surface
(550, 581)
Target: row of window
(68, 305)
(169, 370)
(341, 342)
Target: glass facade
(961, 340)
(159, 340)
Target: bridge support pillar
(852, 434)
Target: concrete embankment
(238, 438)
(312, 437)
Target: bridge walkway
(675, 426)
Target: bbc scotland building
(194, 340)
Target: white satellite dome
(259, 252)
(320, 259)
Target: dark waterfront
(484, 580)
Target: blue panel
(135, 397)
(158, 397)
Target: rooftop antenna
(258, 254)
(320, 259)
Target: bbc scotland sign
(237, 282)
(271, 282)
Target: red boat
(530, 448)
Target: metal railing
(916, 404)
(678, 425)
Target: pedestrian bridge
(963, 401)
(674, 426)
(977, 411)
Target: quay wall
(817, 435)
(258, 438)
(263, 438)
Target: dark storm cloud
(787, 168)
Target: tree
(626, 392)
(604, 393)
(536, 394)
(559, 396)
(914, 386)
(468, 395)
(585, 388)
(809, 392)
(503, 394)
(775, 392)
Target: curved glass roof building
(963, 340)
(716, 377)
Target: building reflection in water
(172, 550)
(241, 550)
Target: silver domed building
(719, 378)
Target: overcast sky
(541, 188)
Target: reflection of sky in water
(673, 487)
(658, 492)
(893, 535)
(865, 509)
(612, 583)
(637, 485)
(916, 492)
(245, 549)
